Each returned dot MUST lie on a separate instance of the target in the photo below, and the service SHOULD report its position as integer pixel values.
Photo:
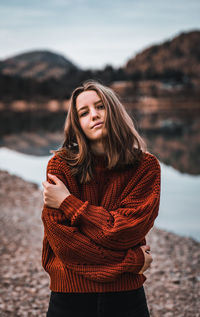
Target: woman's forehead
(87, 97)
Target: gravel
(173, 280)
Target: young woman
(101, 198)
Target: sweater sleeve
(126, 226)
(82, 255)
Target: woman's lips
(98, 125)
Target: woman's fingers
(45, 183)
(54, 178)
(147, 258)
(147, 248)
(54, 194)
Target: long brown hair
(123, 145)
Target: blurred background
(148, 52)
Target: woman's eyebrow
(96, 102)
(82, 108)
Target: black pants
(117, 304)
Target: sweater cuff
(73, 208)
(139, 259)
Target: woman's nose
(94, 114)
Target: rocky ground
(173, 281)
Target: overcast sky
(93, 33)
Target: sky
(93, 33)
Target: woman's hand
(148, 258)
(53, 195)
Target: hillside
(45, 75)
(176, 57)
(40, 65)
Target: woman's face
(91, 113)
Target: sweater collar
(100, 160)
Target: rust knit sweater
(92, 242)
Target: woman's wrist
(65, 197)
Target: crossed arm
(100, 246)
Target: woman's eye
(101, 107)
(83, 114)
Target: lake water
(180, 193)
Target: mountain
(40, 65)
(179, 56)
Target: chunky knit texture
(92, 241)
